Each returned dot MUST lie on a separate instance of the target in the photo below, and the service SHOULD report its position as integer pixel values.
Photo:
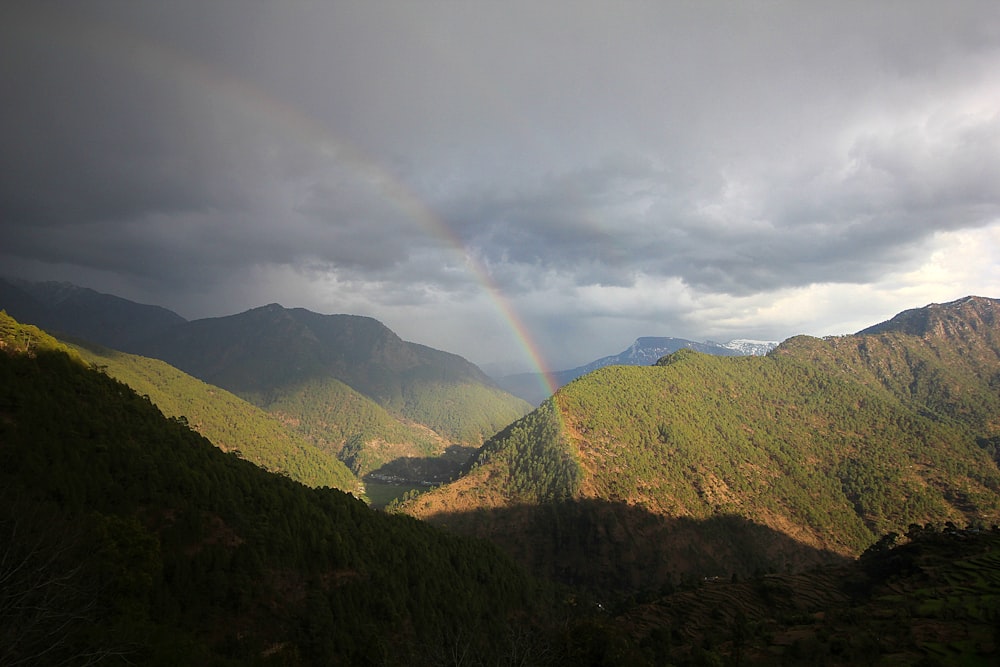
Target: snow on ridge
(751, 347)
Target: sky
(527, 184)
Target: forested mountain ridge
(60, 307)
(266, 352)
(944, 321)
(942, 361)
(347, 385)
(228, 421)
(829, 442)
(128, 538)
(343, 381)
(252, 347)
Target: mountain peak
(750, 347)
(939, 320)
(85, 313)
(272, 312)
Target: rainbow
(157, 59)
(410, 204)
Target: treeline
(226, 420)
(533, 458)
(341, 378)
(842, 440)
(132, 538)
(467, 413)
(338, 420)
(701, 436)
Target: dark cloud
(600, 169)
(96, 144)
(842, 223)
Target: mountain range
(60, 307)
(346, 384)
(127, 538)
(228, 421)
(645, 351)
(829, 502)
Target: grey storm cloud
(842, 221)
(414, 151)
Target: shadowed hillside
(615, 550)
(266, 349)
(127, 538)
(930, 601)
(77, 311)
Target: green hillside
(229, 422)
(777, 436)
(342, 422)
(313, 432)
(127, 538)
(831, 443)
(300, 364)
(468, 412)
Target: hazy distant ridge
(61, 307)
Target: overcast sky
(591, 172)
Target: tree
(51, 593)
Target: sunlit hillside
(828, 444)
(231, 423)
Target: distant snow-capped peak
(748, 347)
